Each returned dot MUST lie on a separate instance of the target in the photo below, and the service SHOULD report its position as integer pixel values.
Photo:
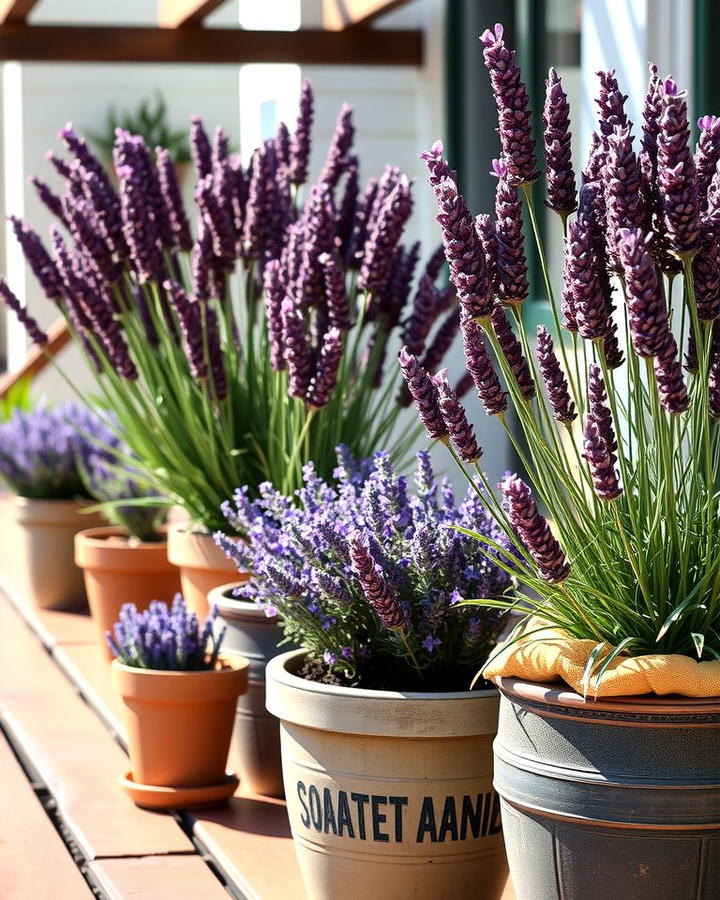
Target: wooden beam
(178, 13)
(15, 11)
(210, 45)
(340, 14)
(38, 357)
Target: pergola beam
(340, 14)
(40, 43)
(178, 13)
(15, 11)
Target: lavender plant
(109, 475)
(234, 354)
(165, 639)
(40, 450)
(622, 447)
(370, 578)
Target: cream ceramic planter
(118, 571)
(203, 566)
(389, 794)
(40, 550)
(256, 738)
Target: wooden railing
(38, 357)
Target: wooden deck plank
(74, 754)
(30, 847)
(161, 878)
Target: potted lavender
(593, 759)
(386, 751)
(39, 452)
(180, 698)
(127, 558)
(234, 352)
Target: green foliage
(17, 398)
(150, 121)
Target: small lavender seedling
(165, 639)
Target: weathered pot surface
(255, 749)
(40, 550)
(119, 571)
(389, 794)
(203, 565)
(618, 797)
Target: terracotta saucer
(151, 796)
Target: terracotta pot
(203, 566)
(618, 797)
(179, 723)
(118, 571)
(40, 550)
(389, 794)
(256, 738)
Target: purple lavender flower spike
(706, 275)
(563, 408)
(614, 357)
(512, 351)
(220, 147)
(274, 296)
(464, 252)
(260, 203)
(567, 295)
(670, 382)
(442, 341)
(338, 304)
(598, 407)
(190, 317)
(48, 198)
(35, 332)
(460, 431)
(647, 313)
(170, 190)
(282, 145)
(200, 147)
(707, 156)
(714, 377)
(300, 139)
(422, 317)
(535, 532)
(82, 153)
(425, 394)
(383, 237)
(486, 231)
(464, 385)
(39, 260)
(601, 462)
(676, 173)
(358, 237)
(216, 363)
(437, 166)
(218, 221)
(324, 380)
(297, 350)
(201, 263)
(481, 369)
(513, 106)
(623, 188)
(652, 111)
(339, 147)
(388, 608)
(511, 265)
(139, 227)
(88, 235)
(561, 189)
(434, 265)
(588, 305)
(61, 166)
(611, 104)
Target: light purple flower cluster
(368, 575)
(41, 450)
(165, 639)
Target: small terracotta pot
(179, 723)
(256, 738)
(203, 566)
(118, 571)
(389, 794)
(41, 550)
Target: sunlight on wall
(268, 93)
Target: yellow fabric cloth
(551, 654)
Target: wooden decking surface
(62, 743)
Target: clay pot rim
(385, 714)
(167, 686)
(97, 537)
(36, 511)
(232, 608)
(190, 548)
(558, 694)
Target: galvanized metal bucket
(618, 798)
